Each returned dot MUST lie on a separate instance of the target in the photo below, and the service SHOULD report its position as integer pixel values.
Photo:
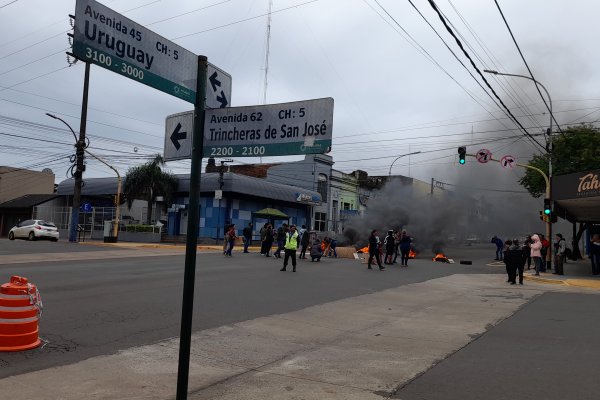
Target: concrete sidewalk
(363, 347)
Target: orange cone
(20, 308)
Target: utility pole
(79, 153)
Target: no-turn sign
(484, 155)
(508, 162)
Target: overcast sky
(393, 93)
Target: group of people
(395, 243)
(515, 255)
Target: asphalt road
(548, 350)
(97, 307)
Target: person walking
(290, 246)
(595, 254)
(231, 236)
(374, 250)
(560, 247)
(536, 253)
(304, 242)
(316, 252)
(405, 241)
(389, 244)
(247, 234)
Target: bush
(140, 228)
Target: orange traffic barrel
(20, 309)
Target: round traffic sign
(508, 161)
(484, 155)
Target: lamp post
(399, 157)
(548, 149)
(74, 221)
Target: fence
(91, 223)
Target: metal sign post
(189, 274)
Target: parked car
(33, 229)
(473, 239)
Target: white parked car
(33, 229)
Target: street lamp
(80, 145)
(399, 157)
(548, 149)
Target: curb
(584, 283)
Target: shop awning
(577, 196)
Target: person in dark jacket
(515, 261)
(281, 234)
(269, 237)
(374, 250)
(316, 252)
(390, 245)
(304, 242)
(405, 242)
(595, 254)
(247, 234)
(499, 247)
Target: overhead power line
(527, 65)
(459, 43)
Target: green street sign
(112, 41)
(301, 127)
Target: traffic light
(462, 152)
(547, 207)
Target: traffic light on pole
(547, 207)
(462, 152)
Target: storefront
(577, 199)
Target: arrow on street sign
(218, 93)
(176, 136)
(484, 155)
(179, 130)
(508, 161)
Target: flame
(440, 257)
(412, 254)
(363, 250)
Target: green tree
(147, 181)
(577, 150)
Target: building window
(320, 221)
(322, 187)
(347, 206)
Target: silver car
(33, 229)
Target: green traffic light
(547, 211)
(461, 161)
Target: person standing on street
(281, 233)
(304, 242)
(290, 246)
(544, 251)
(595, 254)
(269, 237)
(405, 242)
(263, 238)
(247, 233)
(536, 253)
(374, 250)
(515, 261)
(389, 244)
(527, 251)
(499, 247)
(560, 246)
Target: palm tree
(147, 181)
